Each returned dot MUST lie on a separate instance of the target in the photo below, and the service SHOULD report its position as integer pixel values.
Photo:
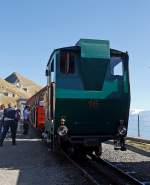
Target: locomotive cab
(86, 89)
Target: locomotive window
(118, 69)
(52, 66)
(67, 63)
(71, 64)
(116, 66)
(63, 61)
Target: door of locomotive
(50, 112)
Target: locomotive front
(89, 91)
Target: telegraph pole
(138, 124)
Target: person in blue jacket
(1, 117)
(9, 121)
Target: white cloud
(136, 111)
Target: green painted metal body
(81, 119)
(104, 100)
(92, 113)
(91, 48)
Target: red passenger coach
(40, 116)
(37, 105)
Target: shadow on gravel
(30, 162)
(23, 164)
(139, 170)
(133, 149)
(137, 150)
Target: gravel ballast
(136, 162)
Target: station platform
(30, 162)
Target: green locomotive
(88, 96)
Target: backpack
(17, 115)
(9, 113)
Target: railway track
(99, 171)
(116, 175)
(135, 161)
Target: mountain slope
(23, 83)
(16, 86)
(8, 87)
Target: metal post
(139, 125)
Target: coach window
(67, 63)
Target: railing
(139, 126)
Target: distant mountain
(23, 83)
(16, 86)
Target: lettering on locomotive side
(93, 104)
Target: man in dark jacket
(26, 115)
(9, 121)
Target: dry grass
(142, 146)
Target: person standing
(17, 116)
(1, 117)
(9, 121)
(26, 114)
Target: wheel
(71, 151)
(98, 150)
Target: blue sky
(31, 29)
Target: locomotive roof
(70, 48)
(77, 49)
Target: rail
(116, 175)
(102, 171)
